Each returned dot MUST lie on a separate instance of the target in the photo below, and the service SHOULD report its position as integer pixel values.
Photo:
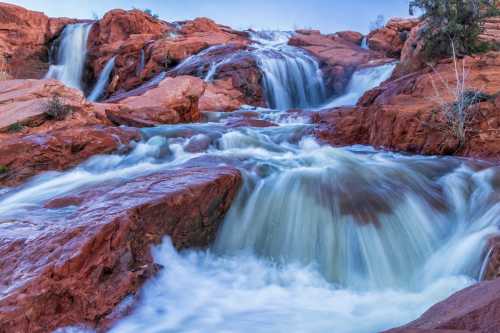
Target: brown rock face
(75, 266)
(29, 155)
(391, 39)
(339, 57)
(24, 40)
(473, 310)
(173, 101)
(400, 115)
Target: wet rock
(221, 96)
(175, 100)
(249, 122)
(74, 266)
(473, 310)
(391, 39)
(28, 155)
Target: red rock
(249, 122)
(175, 100)
(221, 96)
(473, 310)
(76, 266)
(24, 102)
(28, 155)
(351, 36)
(391, 38)
(412, 57)
(399, 114)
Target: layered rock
(338, 57)
(404, 114)
(145, 46)
(75, 260)
(26, 156)
(25, 36)
(390, 39)
(173, 101)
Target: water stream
(319, 239)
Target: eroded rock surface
(75, 260)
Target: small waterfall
(71, 55)
(103, 80)
(364, 43)
(362, 81)
(292, 78)
(141, 64)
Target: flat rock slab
(73, 260)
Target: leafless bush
(458, 114)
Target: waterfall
(362, 80)
(71, 55)
(103, 80)
(364, 43)
(292, 78)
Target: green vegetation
(456, 22)
(3, 169)
(56, 109)
(148, 12)
(16, 127)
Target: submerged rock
(76, 264)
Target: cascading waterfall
(319, 239)
(362, 80)
(71, 55)
(292, 79)
(103, 80)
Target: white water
(362, 81)
(292, 78)
(71, 56)
(320, 239)
(103, 80)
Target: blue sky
(326, 15)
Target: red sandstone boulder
(351, 36)
(221, 96)
(28, 155)
(74, 266)
(339, 58)
(25, 102)
(173, 101)
(391, 39)
(412, 57)
(473, 310)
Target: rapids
(319, 239)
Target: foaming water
(362, 81)
(319, 238)
(292, 78)
(103, 80)
(70, 59)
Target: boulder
(26, 102)
(412, 57)
(174, 100)
(77, 257)
(351, 36)
(473, 310)
(28, 155)
(391, 38)
(221, 96)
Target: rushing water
(103, 80)
(319, 239)
(292, 78)
(70, 59)
(362, 81)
